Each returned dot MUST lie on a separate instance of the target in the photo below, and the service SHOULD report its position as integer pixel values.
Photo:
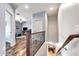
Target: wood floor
(19, 49)
(51, 50)
(50, 53)
(22, 43)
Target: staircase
(57, 51)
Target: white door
(8, 19)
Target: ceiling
(35, 7)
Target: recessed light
(51, 8)
(26, 6)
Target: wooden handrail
(37, 32)
(71, 37)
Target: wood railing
(25, 44)
(71, 37)
(38, 32)
(37, 39)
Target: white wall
(3, 7)
(11, 10)
(52, 29)
(42, 51)
(68, 22)
(46, 27)
(38, 22)
(2, 29)
(27, 24)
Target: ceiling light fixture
(51, 8)
(26, 6)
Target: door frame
(10, 23)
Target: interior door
(8, 19)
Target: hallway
(27, 28)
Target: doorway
(8, 32)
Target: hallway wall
(52, 29)
(9, 8)
(3, 7)
(42, 51)
(38, 22)
(2, 29)
(26, 24)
